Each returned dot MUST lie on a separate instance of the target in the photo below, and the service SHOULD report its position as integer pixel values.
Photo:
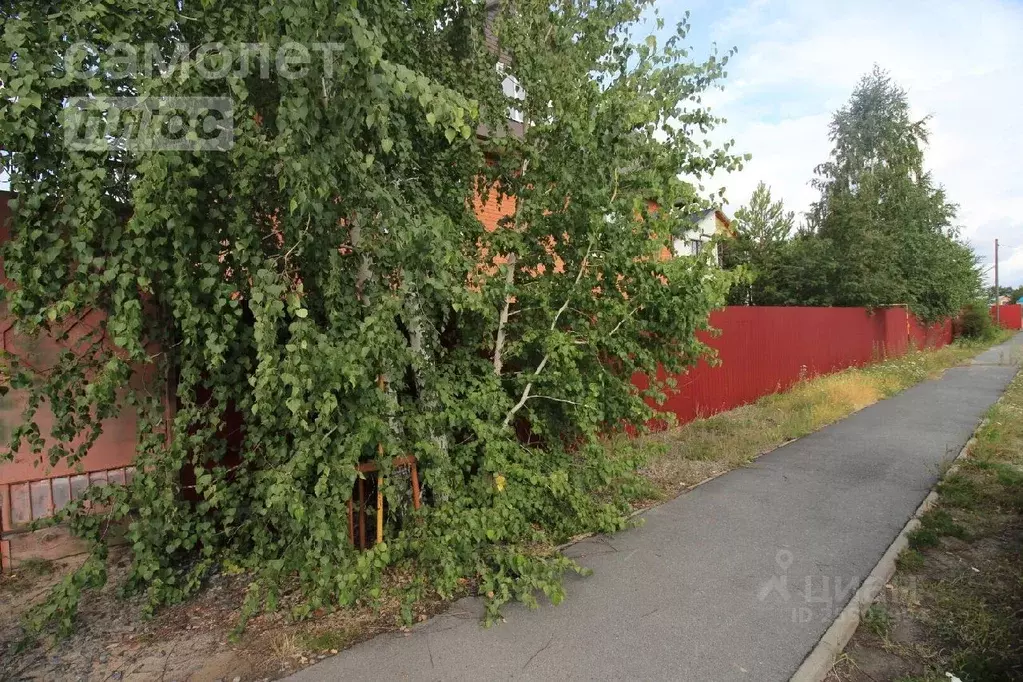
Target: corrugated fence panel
(933, 335)
(763, 350)
(1009, 316)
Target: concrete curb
(821, 659)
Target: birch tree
(319, 291)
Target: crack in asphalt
(542, 649)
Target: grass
(324, 640)
(688, 454)
(964, 571)
(878, 620)
(36, 567)
(934, 525)
(909, 561)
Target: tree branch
(509, 279)
(366, 264)
(618, 326)
(557, 400)
(543, 363)
(417, 343)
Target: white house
(704, 225)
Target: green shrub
(975, 322)
(878, 620)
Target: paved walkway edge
(821, 659)
(689, 488)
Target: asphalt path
(736, 580)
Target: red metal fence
(766, 350)
(1009, 316)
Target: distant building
(702, 228)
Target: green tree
(1014, 293)
(886, 231)
(760, 230)
(323, 290)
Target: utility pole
(998, 298)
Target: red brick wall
(491, 211)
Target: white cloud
(961, 63)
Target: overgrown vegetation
(934, 525)
(322, 293)
(883, 232)
(706, 447)
(878, 620)
(975, 321)
(960, 591)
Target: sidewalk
(736, 580)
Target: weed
(35, 567)
(878, 620)
(284, 648)
(922, 537)
(981, 631)
(942, 523)
(959, 491)
(909, 561)
(1008, 475)
(935, 524)
(324, 640)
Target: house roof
(700, 215)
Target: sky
(799, 60)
